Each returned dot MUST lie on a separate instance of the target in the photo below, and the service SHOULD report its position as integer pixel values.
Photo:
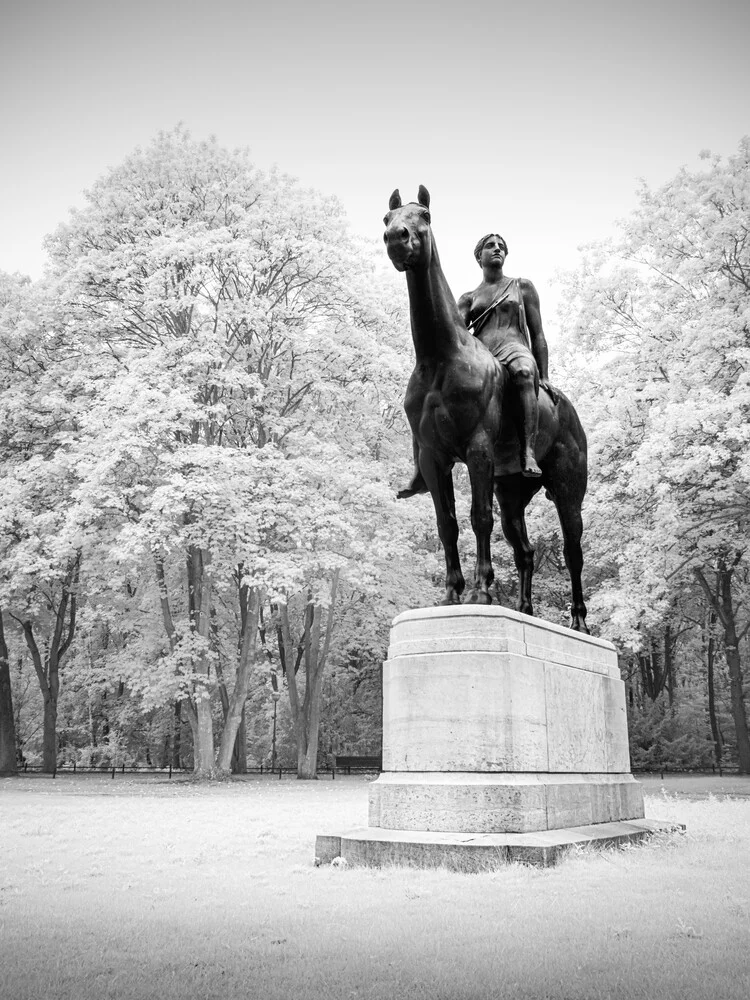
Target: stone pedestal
(495, 722)
(497, 728)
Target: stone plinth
(495, 722)
(490, 690)
(497, 728)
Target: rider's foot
(530, 469)
(417, 485)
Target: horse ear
(423, 196)
(395, 201)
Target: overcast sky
(534, 120)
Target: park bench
(349, 764)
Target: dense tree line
(200, 404)
(201, 433)
(658, 355)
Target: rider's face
(493, 252)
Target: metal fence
(327, 768)
(713, 770)
(164, 772)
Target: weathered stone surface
(327, 848)
(504, 739)
(464, 712)
(501, 803)
(616, 728)
(497, 707)
(576, 719)
(480, 629)
(480, 852)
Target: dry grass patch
(137, 889)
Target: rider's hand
(554, 395)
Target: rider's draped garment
(509, 351)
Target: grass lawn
(146, 888)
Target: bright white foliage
(230, 372)
(659, 347)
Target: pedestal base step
(501, 802)
(373, 847)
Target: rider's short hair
(480, 245)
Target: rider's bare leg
(525, 383)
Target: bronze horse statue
(460, 409)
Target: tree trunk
(199, 706)
(49, 745)
(8, 765)
(732, 654)
(49, 685)
(239, 754)
(309, 733)
(739, 714)
(177, 735)
(238, 763)
(721, 602)
(653, 674)
(48, 671)
(203, 740)
(307, 758)
(169, 628)
(710, 661)
(306, 712)
(236, 706)
(669, 664)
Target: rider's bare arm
(536, 331)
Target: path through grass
(142, 888)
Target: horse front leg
(481, 466)
(440, 484)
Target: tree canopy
(212, 433)
(658, 347)
(201, 427)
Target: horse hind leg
(565, 475)
(513, 503)
(571, 524)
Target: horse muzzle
(399, 247)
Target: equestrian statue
(483, 398)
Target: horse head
(407, 236)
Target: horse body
(459, 410)
(448, 401)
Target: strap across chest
(503, 296)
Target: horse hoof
(410, 491)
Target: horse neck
(436, 323)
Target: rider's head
(480, 246)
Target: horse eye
(385, 220)
(427, 218)
(385, 237)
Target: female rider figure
(504, 314)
